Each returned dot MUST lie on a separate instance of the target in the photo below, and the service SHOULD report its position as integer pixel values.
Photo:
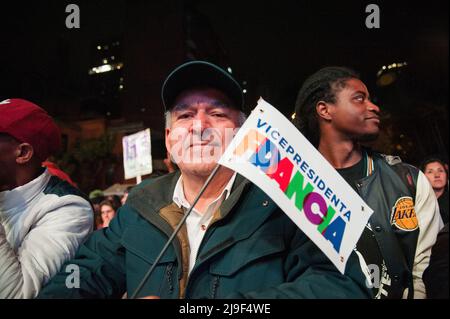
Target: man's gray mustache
(211, 144)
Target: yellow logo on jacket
(404, 215)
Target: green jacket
(252, 250)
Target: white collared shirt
(197, 223)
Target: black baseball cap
(200, 74)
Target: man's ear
(24, 153)
(323, 110)
(167, 131)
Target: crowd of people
(235, 232)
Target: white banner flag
(270, 151)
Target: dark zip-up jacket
(251, 249)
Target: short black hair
(321, 86)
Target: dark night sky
(276, 43)
(273, 45)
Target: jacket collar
(152, 196)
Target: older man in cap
(43, 219)
(236, 243)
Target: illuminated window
(106, 68)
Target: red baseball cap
(27, 122)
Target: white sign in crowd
(137, 154)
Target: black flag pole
(175, 232)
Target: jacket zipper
(196, 257)
(201, 244)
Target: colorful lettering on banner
(266, 156)
(274, 155)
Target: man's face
(8, 154)
(202, 126)
(353, 114)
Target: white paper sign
(270, 151)
(137, 154)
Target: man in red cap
(43, 219)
